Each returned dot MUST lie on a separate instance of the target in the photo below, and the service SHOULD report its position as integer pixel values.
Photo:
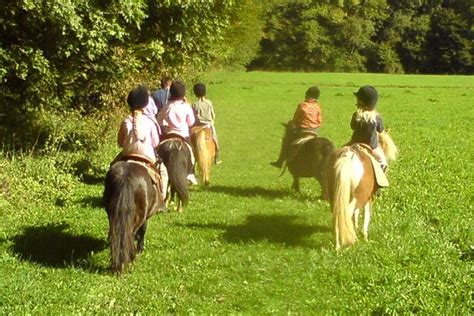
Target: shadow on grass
(50, 246)
(92, 201)
(88, 173)
(92, 179)
(258, 191)
(278, 229)
(249, 192)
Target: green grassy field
(249, 244)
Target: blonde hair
(366, 115)
(135, 114)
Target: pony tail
(175, 156)
(327, 152)
(122, 246)
(203, 156)
(341, 202)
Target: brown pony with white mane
(204, 150)
(353, 181)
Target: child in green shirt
(204, 112)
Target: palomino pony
(176, 155)
(131, 196)
(308, 157)
(352, 183)
(205, 151)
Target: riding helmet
(138, 98)
(177, 90)
(312, 93)
(199, 90)
(368, 95)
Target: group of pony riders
(160, 115)
(365, 123)
(166, 113)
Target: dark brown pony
(130, 198)
(176, 155)
(352, 184)
(204, 150)
(308, 159)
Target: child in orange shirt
(307, 119)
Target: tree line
(390, 36)
(81, 56)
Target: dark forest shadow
(50, 246)
(278, 229)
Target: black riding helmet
(312, 93)
(177, 90)
(368, 95)
(138, 98)
(199, 90)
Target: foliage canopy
(422, 36)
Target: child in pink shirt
(138, 134)
(177, 117)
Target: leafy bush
(68, 58)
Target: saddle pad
(155, 176)
(296, 146)
(300, 141)
(193, 160)
(152, 172)
(198, 128)
(380, 176)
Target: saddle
(153, 172)
(170, 136)
(380, 176)
(203, 127)
(198, 128)
(298, 143)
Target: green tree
(393, 36)
(294, 38)
(241, 39)
(449, 44)
(319, 35)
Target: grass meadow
(248, 244)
